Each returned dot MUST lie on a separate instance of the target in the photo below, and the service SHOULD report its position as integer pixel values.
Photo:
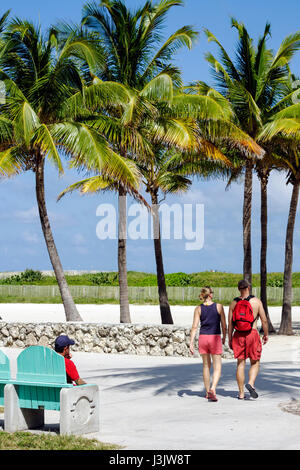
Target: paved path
(157, 402)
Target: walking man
(243, 336)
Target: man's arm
(80, 381)
(264, 321)
(72, 372)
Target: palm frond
(159, 89)
(90, 151)
(184, 37)
(10, 162)
(98, 183)
(26, 121)
(227, 63)
(3, 20)
(44, 140)
(289, 46)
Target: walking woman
(211, 317)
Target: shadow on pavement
(186, 379)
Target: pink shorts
(210, 344)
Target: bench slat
(41, 364)
(37, 384)
(4, 366)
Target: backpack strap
(250, 297)
(238, 299)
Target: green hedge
(140, 279)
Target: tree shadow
(186, 379)
(190, 393)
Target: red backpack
(242, 316)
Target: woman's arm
(196, 320)
(223, 322)
(230, 325)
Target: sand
(110, 313)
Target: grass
(45, 441)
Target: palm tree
(253, 83)
(135, 54)
(263, 169)
(45, 113)
(285, 127)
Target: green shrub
(178, 279)
(275, 282)
(29, 276)
(103, 279)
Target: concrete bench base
(79, 411)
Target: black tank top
(210, 320)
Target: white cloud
(27, 216)
(78, 240)
(82, 250)
(31, 237)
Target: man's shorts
(247, 345)
(210, 344)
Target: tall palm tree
(135, 53)
(253, 83)
(45, 113)
(263, 169)
(286, 128)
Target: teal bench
(4, 375)
(41, 384)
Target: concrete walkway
(158, 402)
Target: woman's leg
(217, 366)
(206, 371)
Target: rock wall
(153, 340)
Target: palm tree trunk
(122, 259)
(68, 302)
(286, 316)
(247, 209)
(165, 311)
(264, 176)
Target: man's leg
(217, 365)
(254, 347)
(253, 371)
(240, 376)
(206, 371)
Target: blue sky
(74, 218)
